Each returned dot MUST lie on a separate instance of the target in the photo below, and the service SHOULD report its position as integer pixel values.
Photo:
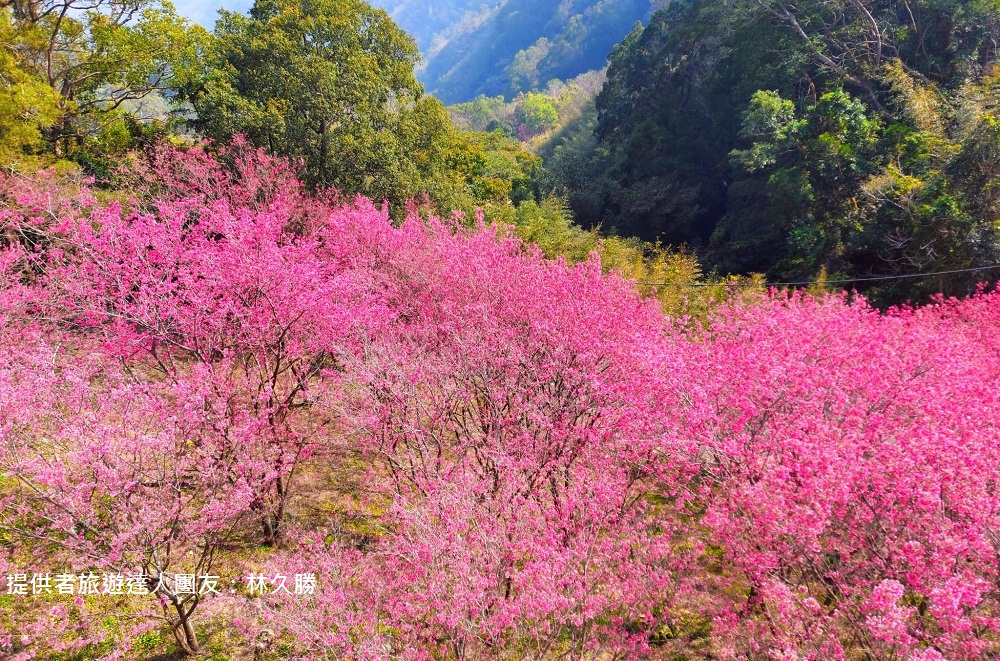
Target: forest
(850, 137)
(300, 362)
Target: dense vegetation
(349, 110)
(503, 47)
(536, 118)
(328, 83)
(269, 309)
(853, 136)
(478, 452)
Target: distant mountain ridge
(429, 22)
(503, 47)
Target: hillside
(495, 48)
(298, 363)
(430, 23)
(853, 138)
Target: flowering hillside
(242, 421)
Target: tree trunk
(183, 629)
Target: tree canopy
(328, 81)
(98, 57)
(852, 137)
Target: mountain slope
(430, 23)
(474, 47)
(847, 137)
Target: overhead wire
(804, 283)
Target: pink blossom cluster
(550, 467)
(849, 472)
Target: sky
(205, 11)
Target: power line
(815, 282)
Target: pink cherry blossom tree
(549, 467)
(168, 365)
(850, 461)
(225, 274)
(135, 481)
(510, 418)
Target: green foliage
(539, 119)
(148, 642)
(98, 58)
(327, 81)
(838, 137)
(523, 71)
(464, 171)
(770, 124)
(539, 113)
(330, 83)
(483, 111)
(28, 106)
(659, 271)
(813, 164)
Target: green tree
(97, 57)
(327, 81)
(771, 126)
(523, 70)
(539, 113)
(28, 106)
(481, 112)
